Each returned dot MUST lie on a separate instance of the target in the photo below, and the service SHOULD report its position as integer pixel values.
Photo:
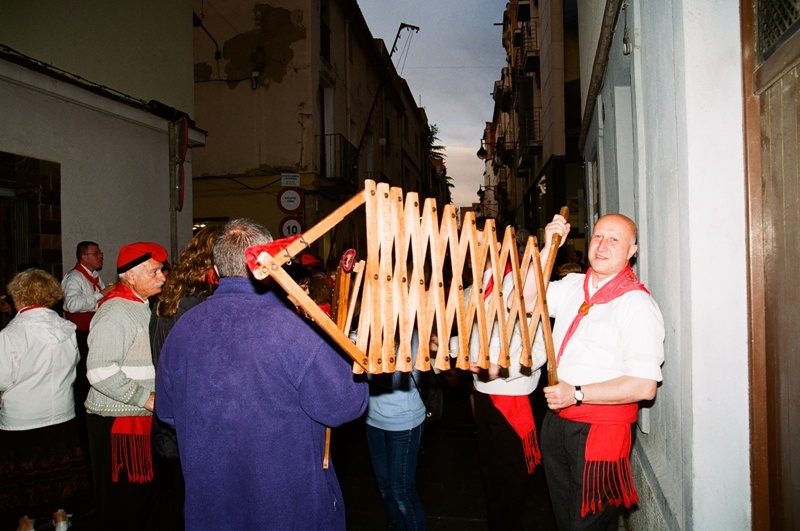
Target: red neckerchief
(30, 308)
(621, 284)
(607, 467)
(517, 409)
(95, 281)
(130, 449)
(121, 291)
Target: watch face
(578, 395)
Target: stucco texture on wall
(266, 49)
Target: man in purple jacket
(250, 388)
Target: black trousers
(503, 466)
(563, 444)
(81, 386)
(121, 506)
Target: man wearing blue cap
(120, 402)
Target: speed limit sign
(290, 226)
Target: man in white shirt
(83, 288)
(608, 336)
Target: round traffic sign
(290, 226)
(290, 200)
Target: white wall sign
(290, 200)
(290, 179)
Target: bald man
(609, 340)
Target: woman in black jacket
(191, 280)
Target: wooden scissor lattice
(413, 279)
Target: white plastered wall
(692, 468)
(114, 162)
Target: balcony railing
(336, 158)
(530, 45)
(530, 135)
(505, 153)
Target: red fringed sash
(517, 409)
(607, 471)
(518, 413)
(130, 449)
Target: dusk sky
(450, 65)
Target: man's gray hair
(136, 270)
(231, 243)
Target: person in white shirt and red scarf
(83, 289)
(121, 400)
(609, 339)
(503, 404)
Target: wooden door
(771, 69)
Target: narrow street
(449, 480)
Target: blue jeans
(394, 458)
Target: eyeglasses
(100, 253)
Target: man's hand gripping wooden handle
(544, 280)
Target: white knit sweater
(119, 365)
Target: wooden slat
(399, 289)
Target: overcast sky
(450, 65)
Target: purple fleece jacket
(250, 386)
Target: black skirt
(42, 470)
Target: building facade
(530, 145)
(690, 128)
(90, 93)
(296, 94)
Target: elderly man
(83, 288)
(250, 386)
(120, 402)
(609, 337)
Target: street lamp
(482, 153)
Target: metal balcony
(530, 45)
(502, 95)
(530, 136)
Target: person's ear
(632, 250)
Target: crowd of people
(203, 398)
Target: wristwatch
(578, 395)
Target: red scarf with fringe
(130, 449)
(517, 409)
(607, 470)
